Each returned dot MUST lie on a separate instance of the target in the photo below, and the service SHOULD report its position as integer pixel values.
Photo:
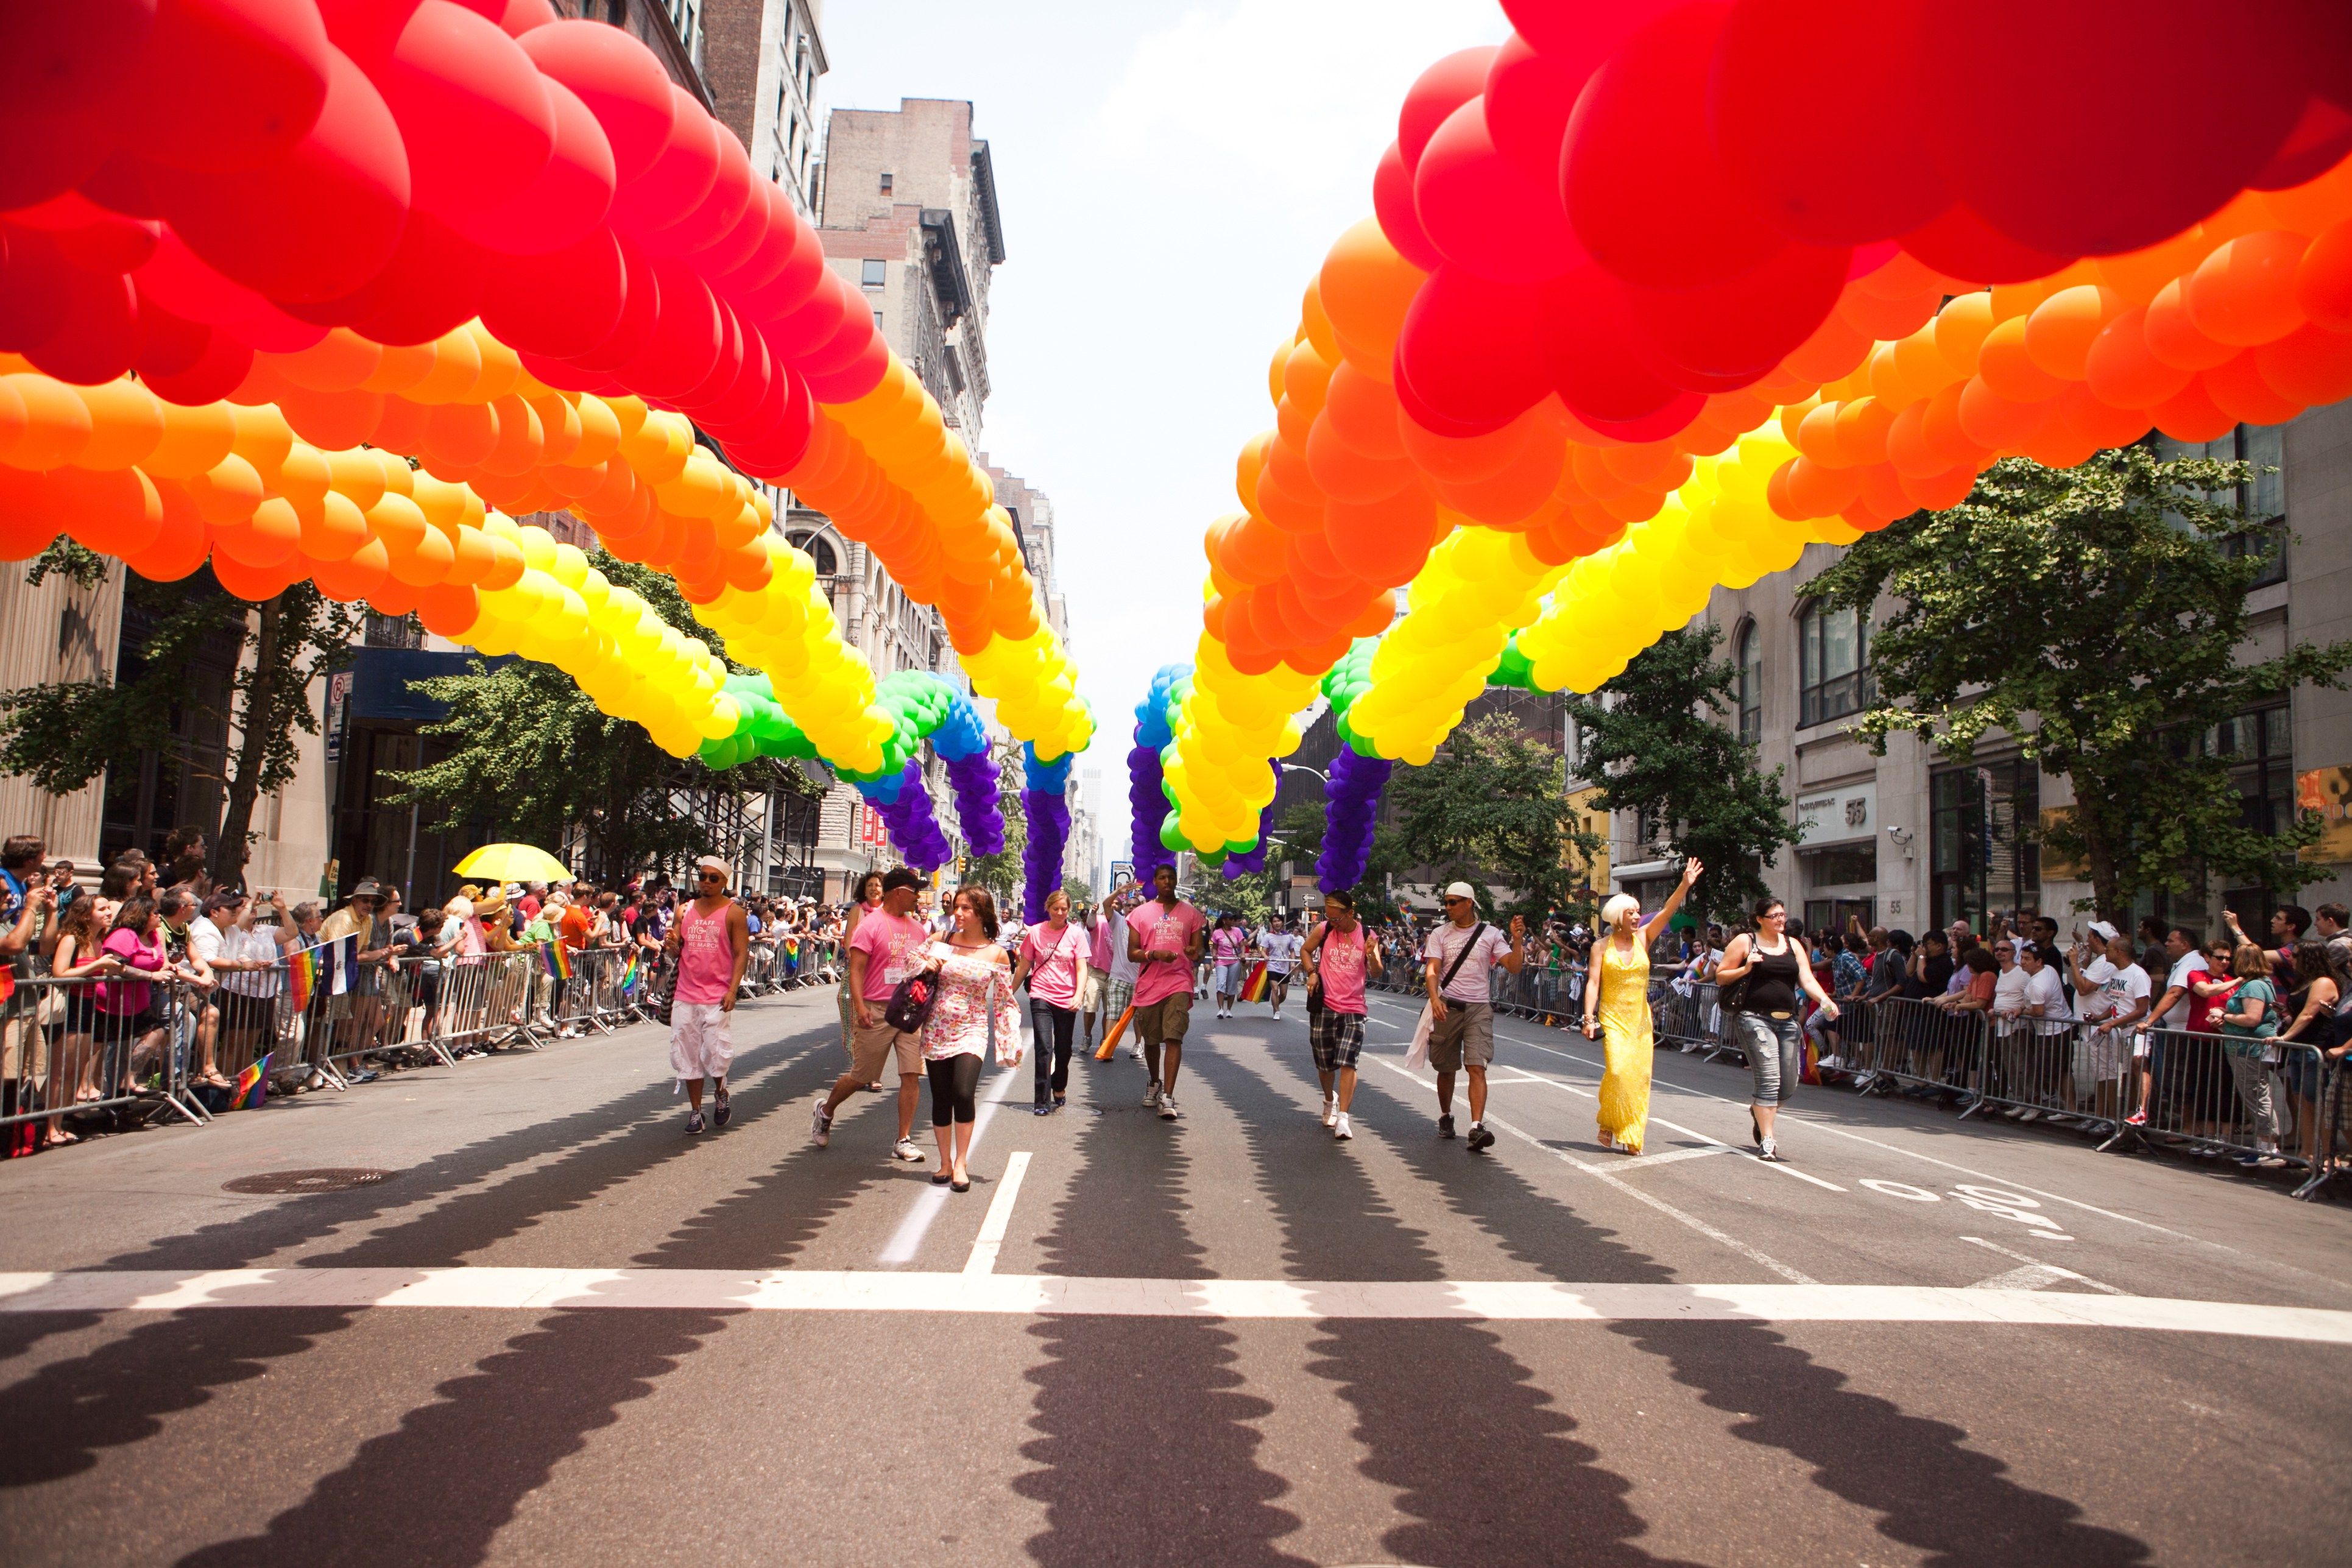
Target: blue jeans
(1775, 1055)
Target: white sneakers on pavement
(1330, 1109)
(1342, 1128)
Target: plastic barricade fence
(73, 1054)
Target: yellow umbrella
(513, 863)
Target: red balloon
(433, 282)
(619, 81)
(796, 278)
(168, 345)
(34, 283)
(1638, 170)
(853, 380)
(1528, 97)
(1590, 355)
(796, 336)
(474, 112)
(1742, 328)
(1436, 93)
(563, 304)
(316, 223)
(568, 199)
(90, 236)
(97, 338)
(2103, 126)
(1580, 34)
(1452, 359)
(680, 180)
(1960, 243)
(2317, 143)
(780, 236)
(1670, 418)
(640, 315)
(220, 370)
(229, 84)
(1483, 212)
(710, 221)
(1392, 204)
(685, 342)
(1795, 84)
(67, 91)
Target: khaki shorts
(869, 1048)
(1163, 1023)
(1465, 1035)
(1090, 995)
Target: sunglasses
(712, 877)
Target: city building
(1912, 840)
(763, 59)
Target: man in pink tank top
(712, 941)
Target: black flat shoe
(939, 1178)
(959, 1186)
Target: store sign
(1838, 815)
(2328, 793)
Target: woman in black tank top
(1766, 1023)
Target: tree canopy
(2097, 616)
(1654, 742)
(1492, 805)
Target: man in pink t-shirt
(1339, 956)
(887, 947)
(1163, 937)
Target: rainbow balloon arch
(1768, 273)
(337, 293)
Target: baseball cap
(1461, 891)
(899, 877)
(2101, 929)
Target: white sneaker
(1343, 1129)
(1167, 1111)
(904, 1149)
(1330, 1107)
(1277, 1015)
(820, 1127)
(1151, 1096)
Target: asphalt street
(555, 1328)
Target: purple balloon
(1351, 798)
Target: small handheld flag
(558, 959)
(7, 984)
(302, 976)
(1257, 988)
(252, 1085)
(629, 973)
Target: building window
(2260, 748)
(1982, 855)
(886, 182)
(872, 274)
(819, 550)
(2262, 498)
(1751, 653)
(877, 321)
(1833, 650)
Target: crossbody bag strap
(1464, 956)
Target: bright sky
(1170, 176)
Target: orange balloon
(1384, 541)
(263, 439)
(55, 426)
(339, 362)
(449, 610)
(2244, 293)
(1364, 413)
(332, 527)
(520, 440)
(2121, 369)
(226, 492)
(1366, 287)
(1339, 469)
(247, 580)
(180, 545)
(115, 511)
(2008, 371)
(193, 439)
(2059, 332)
(349, 580)
(2174, 338)
(2311, 367)
(2323, 280)
(2238, 388)
(334, 420)
(461, 433)
(126, 424)
(1860, 436)
(1960, 330)
(1254, 551)
(2190, 415)
(269, 535)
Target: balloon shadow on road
(1146, 1454)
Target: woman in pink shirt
(1054, 958)
(126, 1006)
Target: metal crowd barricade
(70, 1051)
(2331, 1144)
(1901, 1042)
(1690, 1016)
(2065, 1072)
(2270, 1099)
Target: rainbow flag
(7, 984)
(1255, 988)
(629, 973)
(301, 975)
(558, 959)
(252, 1085)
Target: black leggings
(955, 1083)
(1053, 1064)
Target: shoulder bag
(1416, 1056)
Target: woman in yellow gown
(1617, 1010)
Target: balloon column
(1351, 791)
(1045, 798)
(288, 201)
(1146, 795)
(1607, 253)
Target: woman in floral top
(974, 982)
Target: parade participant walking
(1228, 951)
(975, 1001)
(887, 948)
(1617, 1011)
(1164, 939)
(1338, 957)
(868, 899)
(1054, 964)
(1096, 990)
(711, 942)
(1282, 946)
(1458, 964)
(1769, 972)
(1119, 986)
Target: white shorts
(698, 1043)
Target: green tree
(64, 735)
(535, 755)
(2097, 615)
(1491, 805)
(1655, 743)
(1080, 894)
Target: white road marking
(1716, 1144)
(1032, 1295)
(1670, 1210)
(1817, 1124)
(2033, 1263)
(908, 1239)
(1000, 1217)
(2031, 1278)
